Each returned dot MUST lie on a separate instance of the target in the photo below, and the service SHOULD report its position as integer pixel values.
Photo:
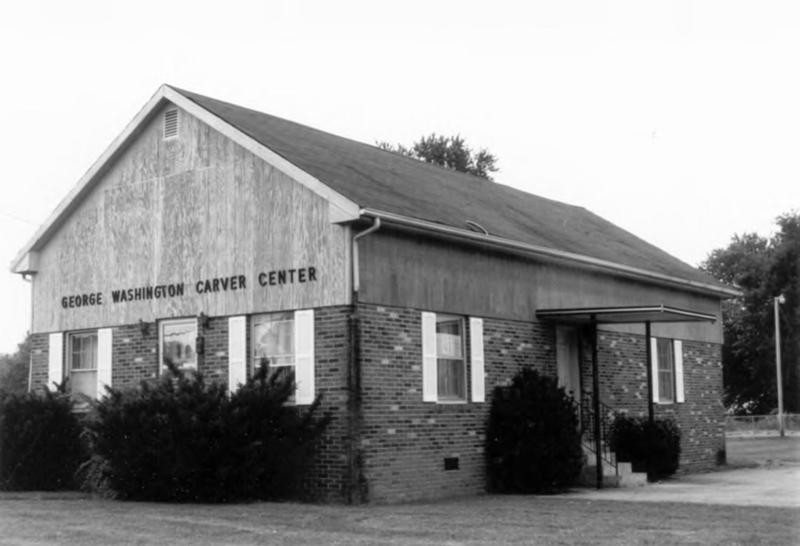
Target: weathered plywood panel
(184, 210)
(403, 270)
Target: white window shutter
(476, 359)
(654, 355)
(304, 356)
(55, 360)
(678, 352)
(104, 351)
(430, 377)
(237, 352)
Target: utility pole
(777, 301)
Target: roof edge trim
(525, 248)
(341, 208)
(66, 205)
(688, 314)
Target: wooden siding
(406, 271)
(183, 210)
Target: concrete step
(621, 476)
(629, 478)
(588, 477)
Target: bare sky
(679, 121)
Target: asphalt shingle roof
(387, 181)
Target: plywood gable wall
(183, 210)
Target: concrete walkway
(771, 479)
(762, 486)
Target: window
(178, 339)
(450, 367)
(273, 340)
(666, 371)
(82, 354)
(444, 364)
(287, 340)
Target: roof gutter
(516, 247)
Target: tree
(450, 152)
(763, 269)
(14, 368)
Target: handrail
(587, 428)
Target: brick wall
(623, 386)
(213, 363)
(135, 358)
(134, 355)
(40, 350)
(702, 417)
(328, 476)
(404, 440)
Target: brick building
(403, 293)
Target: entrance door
(568, 360)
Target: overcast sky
(678, 121)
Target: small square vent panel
(451, 463)
(170, 124)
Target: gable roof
(381, 180)
(355, 177)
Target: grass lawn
(25, 519)
(763, 449)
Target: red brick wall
(404, 440)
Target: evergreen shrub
(40, 444)
(654, 447)
(533, 439)
(183, 439)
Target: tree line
(763, 268)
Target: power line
(17, 218)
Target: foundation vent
(451, 463)
(170, 124)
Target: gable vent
(170, 124)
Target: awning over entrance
(593, 316)
(623, 315)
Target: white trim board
(342, 209)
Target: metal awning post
(649, 366)
(598, 441)
(630, 314)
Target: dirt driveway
(764, 471)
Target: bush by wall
(40, 446)
(654, 447)
(184, 439)
(533, 440)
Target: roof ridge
(479, 179)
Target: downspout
(356, 275)
(356, 490)
(30, 355)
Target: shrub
(40, 446)
(533, 439)
(275, 441)
(184, 439)
(654, 447)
